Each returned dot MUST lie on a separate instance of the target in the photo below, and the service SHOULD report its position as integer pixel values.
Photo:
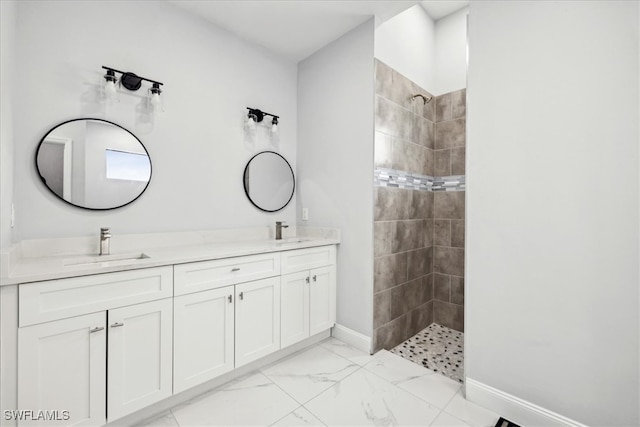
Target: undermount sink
(119, 259)
(290, 240)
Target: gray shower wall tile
(381, 308)
(409, 235)
(424, 131)
(420, 317)
(443, 107)
(442, 166)
(450, 134)
(459, 104)
(394, 86)
(449, 315)
(458, 161)
(391, 334)
(389, 271)
(419, 263)
(383, 238)
(427, 287)
(392, 203)
(457, 233)
(448, 260)
(448, 204)
(429, 232)
(393, 119)
(457, 290)
(441, 287)
(421, 206)
(442, 232)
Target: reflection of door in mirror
(111, 168)
(57, 165)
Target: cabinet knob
(117, 324)
(307, 279)
(96, 329)
(235, 269)
(314, 278)
(230, 299)
(241, 296)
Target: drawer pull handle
(96, 329)
(235, 269)
(230, 299)
(314, 278)
(117, 325)
(307, 279)
(241, 296)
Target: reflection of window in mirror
(127, 166)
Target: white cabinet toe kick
(94, 349)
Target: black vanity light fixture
(131, 82)
(256, 116)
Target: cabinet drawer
(57, 299)
(201, 276)
(305, 259)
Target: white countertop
(24, 269)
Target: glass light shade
(110, 90)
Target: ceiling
(296, 29)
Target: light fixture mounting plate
(131, 81)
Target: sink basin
(119, 259)
(291, 240)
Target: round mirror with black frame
(93, 164)
(269, 182)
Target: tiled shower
(419, 209)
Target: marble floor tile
(165, 419)
(395, 369)
(446, 420)
(253, 400)
(307, 374)
(364, 399)
(435, 389)
(299, 418)
(348, 352)
(470, 413)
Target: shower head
(425, 99)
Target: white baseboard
(513, 408)
(351, 337)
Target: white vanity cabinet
(66, 364)
(308, 301)
(232, 319)
(62, 365)
(139, 358)
(257, 319)
(106, 345)
(203, 336)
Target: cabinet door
(62, 367)
(322, 297)
(139, 356)
(294, 320)
(257, 319)
(203, 337)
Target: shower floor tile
(437, 348)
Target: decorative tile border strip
(383, 177)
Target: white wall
(335, 162)
(8, 16)
(197, 147)
(407, 43)
(451, 52)
(552, 206)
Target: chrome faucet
(105, 241)
(279, 228)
